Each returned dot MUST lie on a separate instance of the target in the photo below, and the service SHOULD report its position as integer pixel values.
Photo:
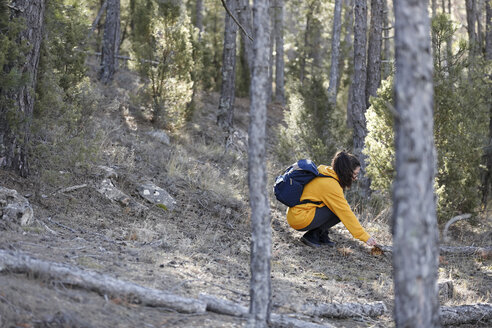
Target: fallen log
(485, 251)
(344, 310)
(463, 314)
(227, 307)
(102, 284)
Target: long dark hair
(344, 165)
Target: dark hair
(344, 165)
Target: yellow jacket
(328, 191)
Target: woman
(329, 205)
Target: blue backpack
(289, 186)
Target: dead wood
(463, 314)
(485, 251)
(102, 284)
(344, 310)
(450, 222)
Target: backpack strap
(307, 201)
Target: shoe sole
(310, 244)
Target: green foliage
(161, 44)
(309, 126)
(65, 99)
(460, 126)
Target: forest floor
(203, 244)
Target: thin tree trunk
(271, 14)
(358, 94)
(15, 118)
(386, 44)
(111, 42)
(279, 52)
(226, 102)
(199, 18)
(98, 18)
(470, 20)
(335, 54)
(246, 18)
(488, 30)
(433, 8)
(374, 50)
(261, 239)
(348, 41)
(304, 53)
(415, 234)
(478, 9)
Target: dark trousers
(323, 220)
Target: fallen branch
(102, 284)
(485, 251)
(69, 189)
(344, 310)
(236, 21)
(98, 18)
(457, 315)
(222, 306)
(450, 222)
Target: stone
(15, 209)
(156, 195)
(160, 136)
(108, 189)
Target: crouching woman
(325, 204)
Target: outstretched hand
(371, 242)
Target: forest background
(178, 66)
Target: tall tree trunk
(415, 235)
(488, 30)
(305, 52)
(279, 52)
(15, 118)
(271, 14)
(386, 44)
(335, 54)
(478, 9)
(246, 19)
(358, 94)
(470, 21)
(226, 102)
(348, 47)
(433, 8)
(374, 50)
(111, 42)
(261, 239)
(199, 18)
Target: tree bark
(358, 93)
(226, 102)
(386, 44)
(199, 18)
(344, 310)
(102, 284)
(111, 42)
(335, 54)
(348, 41)
(470, 21)
(279, 52)
(488, 30)
(415, 234)
(15, 118)
(374, 50)
(260, 289)
(271, 14)
(459, 315)
(246, 19)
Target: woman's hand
(371, 242)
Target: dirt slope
(202, 246)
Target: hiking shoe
(325, 241)
(310, 243)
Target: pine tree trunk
(246, 19)
(304, 53)
(271, 15)
(415, 234)
(199, 18)
(470, 21)
(488, 30)
(348, 41)
(335, 54)
(279, 52)
(15, 118)
(374, 50)
(386, 44)
(226, 102)
(358, 94)
(261, 239)
(111, 42)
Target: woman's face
(356, 173)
